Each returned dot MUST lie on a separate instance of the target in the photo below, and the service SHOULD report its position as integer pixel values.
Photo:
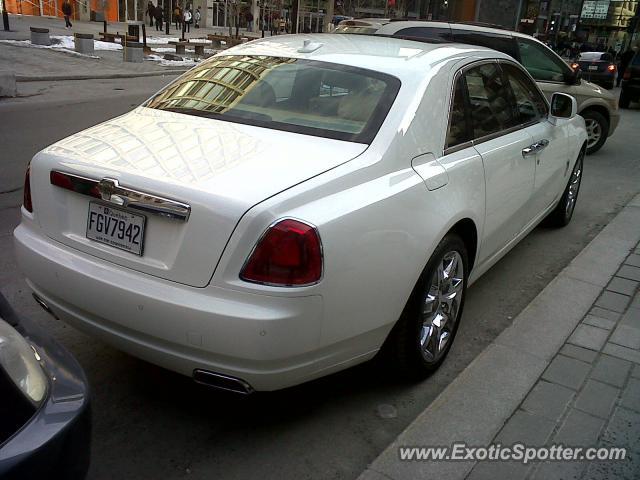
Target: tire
(562, 214)
(624, 101)
(597, 130)
(408, 348)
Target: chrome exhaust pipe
(44, 306)
(222, 382)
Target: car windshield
(296, 95)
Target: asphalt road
(150, 423)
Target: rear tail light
(26, 200)
(288, 254)
(575, 66)
(611, 68)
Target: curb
(476, 405)
(106, 76)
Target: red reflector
(611, 68)
(75, 184)
(289, 253)
(61, 180)
(26, 200)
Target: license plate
(115, 227)
(593, 67)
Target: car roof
(393, 27)
(395, 56)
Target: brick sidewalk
(589, 395)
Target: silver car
(552, 74)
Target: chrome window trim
(477, 141)
(111, 191)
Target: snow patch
(185, 62)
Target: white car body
(380, 210)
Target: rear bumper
(270, 342)
(55, 442)
(600, 78)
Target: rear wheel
(421, 339)
(597, 130)
(562, 214)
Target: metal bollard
(133, 52)
(40, 36)
(83, 43)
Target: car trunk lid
(219, 169)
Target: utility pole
(167, 16)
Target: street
(151, 423)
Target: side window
(531, 105)
(502, 43)
(437, 33)
(458, 131)
(490, 96)
(541, 62)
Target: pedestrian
(187, 19)
(159, 14)
(249, 18)
(625, 59)
(151, 11)
(197, 16)
(177, 16)
(67, 11)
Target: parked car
(288, 207)
(598, 67)
(45, 422)
(552, 74)
(630, 91)
(362, 25)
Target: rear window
(595, 56)
(296, 95)
(355, 29)
(502, 43)
(427, 33)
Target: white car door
(550, 150)
(500, 141)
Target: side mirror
(563, 106)
(573, 77)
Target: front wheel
(421, 339)
(562, 214)
(597, 130)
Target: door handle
(535, 147)
(541, 144)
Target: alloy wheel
(441, 307)
(594, 131)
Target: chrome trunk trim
(109, 190)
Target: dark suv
(631, 83)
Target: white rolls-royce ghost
(293, 206)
